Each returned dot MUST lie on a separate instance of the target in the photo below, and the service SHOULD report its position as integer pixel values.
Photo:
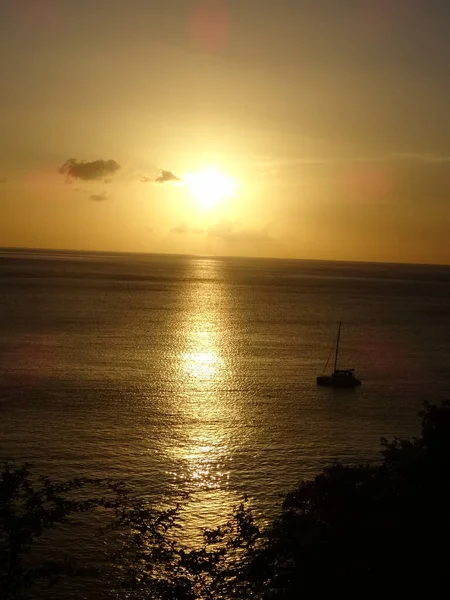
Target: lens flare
(209, 26)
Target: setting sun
(209, 187)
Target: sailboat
(339, 377)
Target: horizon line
(218, 256)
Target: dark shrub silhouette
(366, 530)
(32, 506)
(360, 531)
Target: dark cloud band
(167, 177)
(89, 171)
(99, 197)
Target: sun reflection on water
(205, 454)
(201, 365)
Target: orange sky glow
(297, 129)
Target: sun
(210, 187)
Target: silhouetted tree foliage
(29, 508)
(161, 567)
(360, 530)
(366, 530)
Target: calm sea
(198, 374)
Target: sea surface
(198, 374)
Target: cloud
(233, 232)
(166, 177)
(183, 229)
(99, 197)
(426, 157)
(3, 180)
(89, 171)
(272, 166)
(228, 231)
(180, 229)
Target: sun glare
(210, 187)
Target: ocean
(198, 374)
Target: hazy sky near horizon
(325, 123)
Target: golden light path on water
(204, 368)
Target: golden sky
(281, 128)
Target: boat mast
(337, 346)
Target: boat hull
(336, 381)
